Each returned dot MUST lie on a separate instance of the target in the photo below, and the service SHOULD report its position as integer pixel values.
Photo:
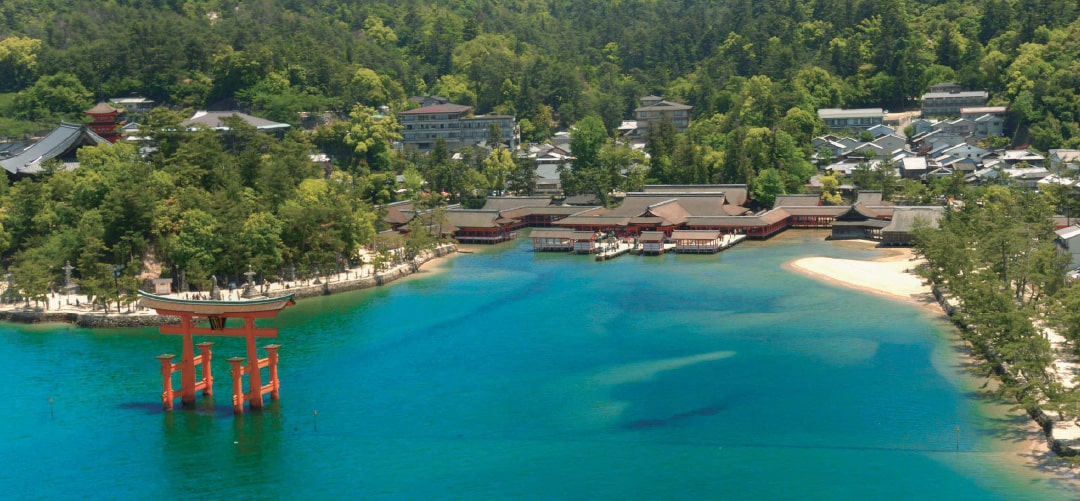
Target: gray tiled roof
(215, 120)
(695, 234)
(797, 201)
(652, 236)
(61, 140)
(552, 233)
(903, 220)
(695, 204)
(474, 218)
(503, 203)
(438, 108)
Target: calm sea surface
(534, 376)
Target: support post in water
(218, 313)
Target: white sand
(892, 275)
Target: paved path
(80, 303)
(1066, 368)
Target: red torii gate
(218, 312)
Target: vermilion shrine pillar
(218, 313)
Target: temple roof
(733, 193)
(503, 203)
(103, 108)
(476, 218)
(552, 233)
(399, 212)
(592, 220)
(216, 120)
(554, 210)
(56, 144)
(904, 219)
(763, 219)
(583, 235)
(797, 201)
(695, 234)
(652, 236)
(857, 212)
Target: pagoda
(105, 121)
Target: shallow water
(533, 376)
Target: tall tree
(371, 135)
(586, 140)
(18, 62)
(54, 97)
(497, 168)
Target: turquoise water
(533, 376)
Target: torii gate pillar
(218, 312)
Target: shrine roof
(61, 140)
(102, 108)
(695, 234)
(213, 308)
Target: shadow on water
(1014, 428)
(966, 361)
(203, 407)
(453, 321)
(674, 418)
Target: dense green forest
(205, 204)
(748, 62)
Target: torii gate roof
(168, 305)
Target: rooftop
(438, 108)
(663, 105)
(983, 110)
(216, 120)
(53, 145)
(966, 93)
(852, 113)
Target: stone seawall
(381, 278)
(96, 320)
(125, 320)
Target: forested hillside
(563, 58)
(205, 203)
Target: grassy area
(11, 127)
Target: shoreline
(82, 316)
(891, 275)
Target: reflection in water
(248, 445)
(256, 435)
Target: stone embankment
(1051, 428)
(96, 320)
(100, 319)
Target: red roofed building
(105, 121)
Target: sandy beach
(892, 275)
(435, 265)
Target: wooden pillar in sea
(218, 313)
